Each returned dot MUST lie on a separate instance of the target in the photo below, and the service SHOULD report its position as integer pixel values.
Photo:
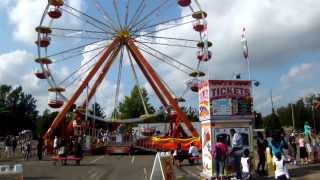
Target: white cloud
(16, 71)
(25, 15)
(277, 32)
(301, 72)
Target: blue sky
(282, 36)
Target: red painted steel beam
(102, 75)
(59, 118)
(147, 67)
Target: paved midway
(101, 168)
(125, 167)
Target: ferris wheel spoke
(166, 44)
(116, 100)
(169, 57)
(115, 7)
(167, 28)
(78, 48)
(105, 15)
(77, 78)
(146, 24)
(79, 30)
(85, 20)
(79, 37)
(135, 78)
(161, 23)
(169, 38)
(87, 17)
(163, 60)
(79, 54)
(148, 15)
(127, 13)
(82, 66)
(137, 13)
(172, 65)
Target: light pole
(292, 116)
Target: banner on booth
(225, 98)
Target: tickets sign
(224, 98)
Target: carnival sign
(224, 98)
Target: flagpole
(248, 66)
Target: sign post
(162, 167)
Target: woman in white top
(245, 164)
(193, 150)
(281, 172)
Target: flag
(244, 44)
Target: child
(303, 150)
(281, 171)
(246, 165)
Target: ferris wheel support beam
(61, 115)
(173, 103)
(102, 75)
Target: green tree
(132, 106)
(20, 110)
(191, 113)
(45, 121)
(97, 110)
(302, 111)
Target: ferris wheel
(110, 31)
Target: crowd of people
(275, 150)
(11, 147)
(73, 146)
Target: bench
(55, 159)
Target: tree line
(18, 111)
(296, 114)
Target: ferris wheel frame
(108, 56)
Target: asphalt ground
(124, 167)
(116, 167)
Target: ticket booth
(224, 105)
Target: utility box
(224, 105)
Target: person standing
(277, 144)
(55, 145)
(28, 148)
(40, 148)
(193, 152)
(292, 147)
(246, 165)
(178, 155)
(261, 150)
(303, 150)
(281, 170)
(236, 151)
(220, 151)
(78, 150)
(8, 147)
(14, 144)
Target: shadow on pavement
(38, 178)
(304, 170)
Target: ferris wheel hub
(123, 35)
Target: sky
(283, 40)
